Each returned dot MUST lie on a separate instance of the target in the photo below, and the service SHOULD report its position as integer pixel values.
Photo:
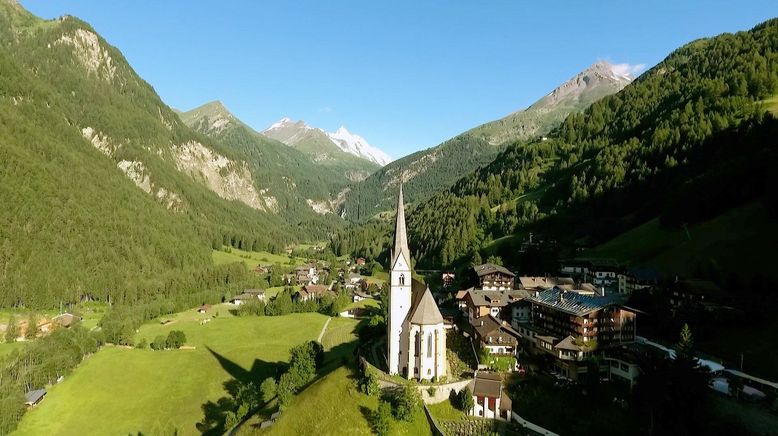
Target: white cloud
(325, 110)
(628, 69)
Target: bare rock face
(600, 79)
(230, 180)
(93, 57)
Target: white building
(416, 339)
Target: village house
(248, 295)
(572, 327)
(701, 293)
(311, 292)
(66, 320)
(542, 283)
(33, 398)
(262, 269)
(360, 261)
(496, 335)
(306, 274)
(490, 400)
(493, 277)
(354, 281)
(447, 278)
(360, 295)
(603, 273)
(204, 308)
(479, 302)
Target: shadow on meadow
(243, 389)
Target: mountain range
(116, 185)
(301, 135)
(348, 153)
(432, 170)
(299, 183)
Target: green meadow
(253, 258)
(124, 390)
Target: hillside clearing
(253, 258)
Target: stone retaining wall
(442, 392)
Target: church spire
(400, 234)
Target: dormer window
(402, 279)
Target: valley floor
(122, 390)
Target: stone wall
(536, 428)
(442, 392)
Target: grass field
(122, 390)
(736, 241)
(254, 258)
(446, 411)
(334, 406)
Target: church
(416, 339)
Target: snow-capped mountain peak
(293, 132)
(283, 122)
(358, 146)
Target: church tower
(399, 295)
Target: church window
(429, 345)
(402, 279)
(429, 371)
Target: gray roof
(33, 397)
(568, 343)
(482, 297)
(490, 268)
(571, 302)
(426, 311)
(400, 233)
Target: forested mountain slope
(686, 141)
(105, 192)
(430, 171)
(301, 186)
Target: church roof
(425, 311)
(400, 232)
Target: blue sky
(406, 75)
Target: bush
(368, 383)
(158, 343)
(142, 344)
(466, 403)
(175, 339)
(383, 418)
(268, 389)
(407, 402)
(251, 308)
(285, 391)
(431, 391)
